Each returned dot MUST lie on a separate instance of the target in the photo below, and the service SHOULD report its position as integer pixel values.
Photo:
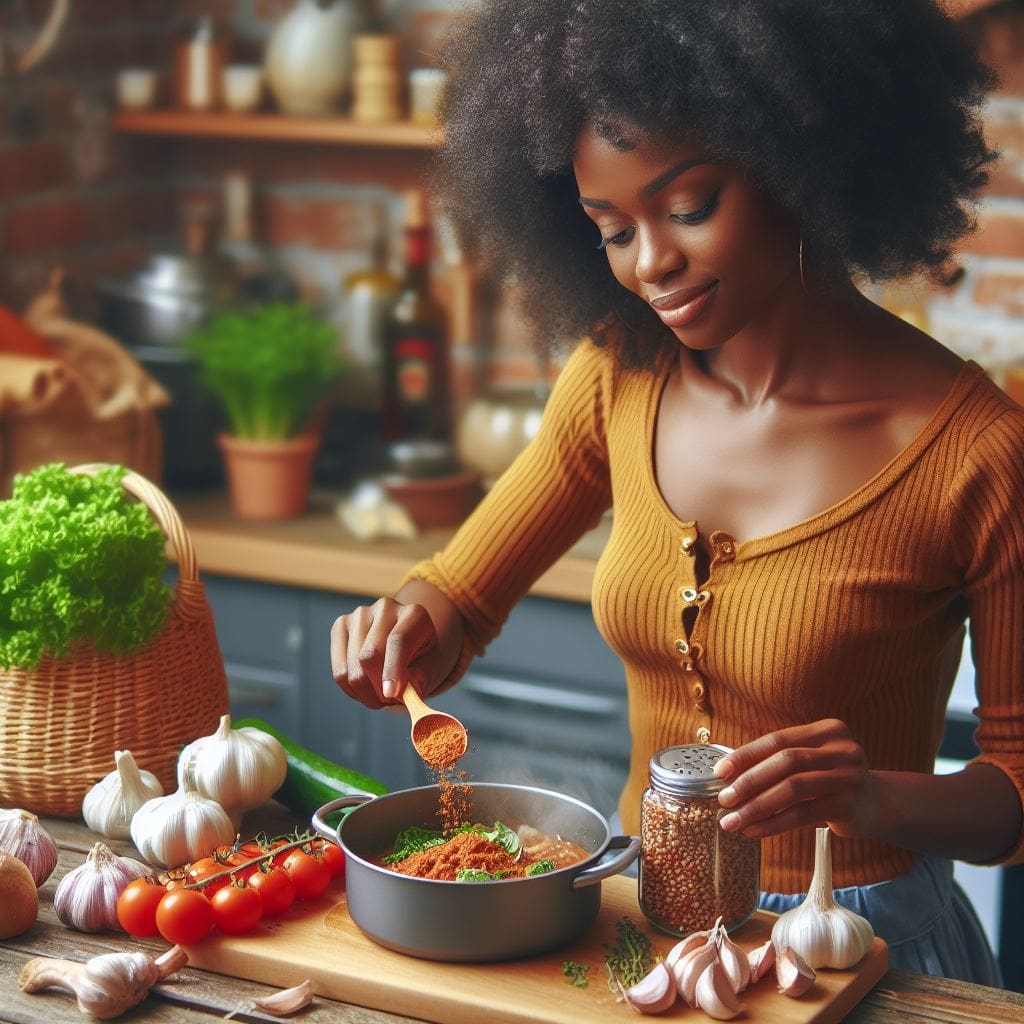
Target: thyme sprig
(629, 958)
(576, 974)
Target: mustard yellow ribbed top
(846, 615)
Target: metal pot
(474, 921)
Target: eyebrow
(651, 188)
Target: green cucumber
(312, 780)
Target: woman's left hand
(812, 774)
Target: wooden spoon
(439, 738)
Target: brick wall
(72, 192)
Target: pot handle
(630, 847)
(321, 826)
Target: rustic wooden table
(195, 996)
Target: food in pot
(479, 853)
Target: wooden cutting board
(318, 940)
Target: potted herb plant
(269, 367)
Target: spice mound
(478, 853)
(439, 741)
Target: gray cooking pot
(474, 921)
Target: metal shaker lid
(688, 769)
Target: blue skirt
(926, 919)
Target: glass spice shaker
(691, 871)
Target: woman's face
(697, 241)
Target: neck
(793, 349)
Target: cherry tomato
(310, 875)
(184, 916)
(236, 908)
(332, 856)
(276, 889)
(206, 868)
(136, 906)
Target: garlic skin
(23, 837)
(238, 768)
(822, 932)
(109, 806)
(180, 828)
(86, 897)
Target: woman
(810, 496)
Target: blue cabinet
(545, 706)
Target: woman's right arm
(413, 638)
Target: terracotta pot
(269, 479)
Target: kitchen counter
(193, 995)
(317, 551)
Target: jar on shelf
(692, 871)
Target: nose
(657, 254)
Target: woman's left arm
(818, 774)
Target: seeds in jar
(691, 871)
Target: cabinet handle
(515, 691)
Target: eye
(623, 237)
(698, 216)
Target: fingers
(793, 777)
(374, 650)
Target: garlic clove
(761, 961)
(692, 941)
(23, 837)
(655, 992)
(794, 976)
(714, 993)
(688, 969)
(734, 962)
(287, 1001)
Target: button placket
(692, 597)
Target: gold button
(698, 690)
(687, 665)
(702, 597)
(686, 545)
(703, 734)
(682, 647)
(688, 595)
(726, 548)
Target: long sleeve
(988, 532)
(554, 492)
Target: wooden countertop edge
(317, 553)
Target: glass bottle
(416, 362)
(691, 871)
(368, 295)
(259, 276)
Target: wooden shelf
(276, 127)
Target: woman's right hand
(378, 649)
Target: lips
(682, 307)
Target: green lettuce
(78, 562)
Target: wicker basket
(61, 723)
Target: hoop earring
(800, 260)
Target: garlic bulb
(180, 828)
(822, 932)
(239, 768)
(86, 897)
(108, 807)
(23, 837)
